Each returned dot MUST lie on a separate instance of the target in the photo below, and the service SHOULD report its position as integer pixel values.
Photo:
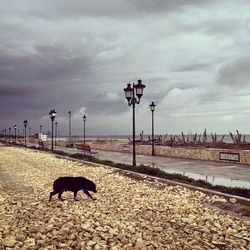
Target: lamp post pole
(69, 128)
(84, 120)
(56, 123)
(152, 107)
(132, 100)
(40, 133)
(5, 134)
(15, 127)
(52, 114)
(9, 134)
(25, 123)
(133, 108)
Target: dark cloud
(164, 6)
(194, 66)
(225, 26)
(47, 65)
(80, 55)
(107, 107)
(111, 8)
(8, 91)
(235, 73)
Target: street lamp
(5, 134)
(69, 128)
(132, 100)
(56, 123)
(52, 115)
(15, 127)
(25, 123)
(40, 132)
(152, 107)
(9, 134)
(84, 120)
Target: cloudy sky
(192, 55)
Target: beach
(128, 213)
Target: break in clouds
(193, 57)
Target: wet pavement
(217, 173)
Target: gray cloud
(235, 73)
(111, 8)
(194, 66)
(13, 90)
(164, 6)
(38, 69)
(79, 56)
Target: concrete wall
(209, 154)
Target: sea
(124, 138)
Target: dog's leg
(88, 194)
(75, 194)
(51, 194)
(60, 196)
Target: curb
(240, 199)
(204, 190)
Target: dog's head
(92, 187)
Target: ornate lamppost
(15, 127)
(40, 133)
(56, 123)
(130, 92)
(25, 123)
(2, 134)
(52, 115)
(9, 134)
(84, 120)
(152, 107)
(69, 128)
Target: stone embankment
(207, 154)
(127, 213)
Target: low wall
(208, 154)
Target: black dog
(73, 184)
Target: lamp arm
(137, 101)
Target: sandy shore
(127, 214)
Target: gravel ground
(127, 214)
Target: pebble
(233, 200)
(127, 214)
(9, 241)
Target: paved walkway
(218, 173)
(228, 174)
